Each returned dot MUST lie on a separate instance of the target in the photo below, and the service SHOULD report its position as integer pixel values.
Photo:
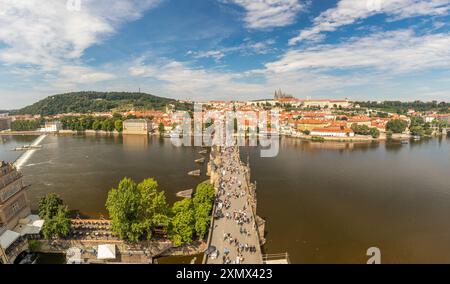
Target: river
(323, 202)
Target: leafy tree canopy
(183, 222)
(397, 125)
(136, 209)
(57, 226)
(48, 205)
(56, 216)
(203, 203)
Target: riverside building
(137, 126)
(16, 223)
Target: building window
(15, 207)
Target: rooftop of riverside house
(333, 129)
(8, 174)
(6, 168)
(136, 120)
(359, 119)
(312, 121)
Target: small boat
(404, 142)
(200, 161)
(185, 193)
(27, 147)
(195, 173)
(203, 152)
(171, 135)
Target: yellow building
(310, 124)
(309, 103)
(136, 126)
(359, 120)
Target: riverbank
(196, 248)
(20, 133)
(360, 139)
(357, 138)
(139, 253)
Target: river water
(323, 202)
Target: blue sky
(226, 49)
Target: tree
(105, 125)
(416, 121)
(374, 132)
(161, 127)
(182, 224)
(154, 203)
(204, 193)
(57, 226)
(117, 116)
(24, 125)
(360, 129)
(89, 120)
(97, 125)
(203, 203)
(417, 130)
(55, 214)
(441, 124)
(108, 125)
(48, 205)
(118, 125)
(396, 125)
(136, 210)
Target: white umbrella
(106, 252)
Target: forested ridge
(87, 102)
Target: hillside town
(315, 119)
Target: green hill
(86, 102)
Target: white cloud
(216, 54)
(262, 14)
(48, 35)
(372, 64)
(350, 11)
(71, 76)
(248, 47)
(178, 79)
(394, 52)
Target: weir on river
(236, 232)
(20, 162)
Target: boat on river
(27, 147)
(200, 161)
(195, 173)
(185, 193)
